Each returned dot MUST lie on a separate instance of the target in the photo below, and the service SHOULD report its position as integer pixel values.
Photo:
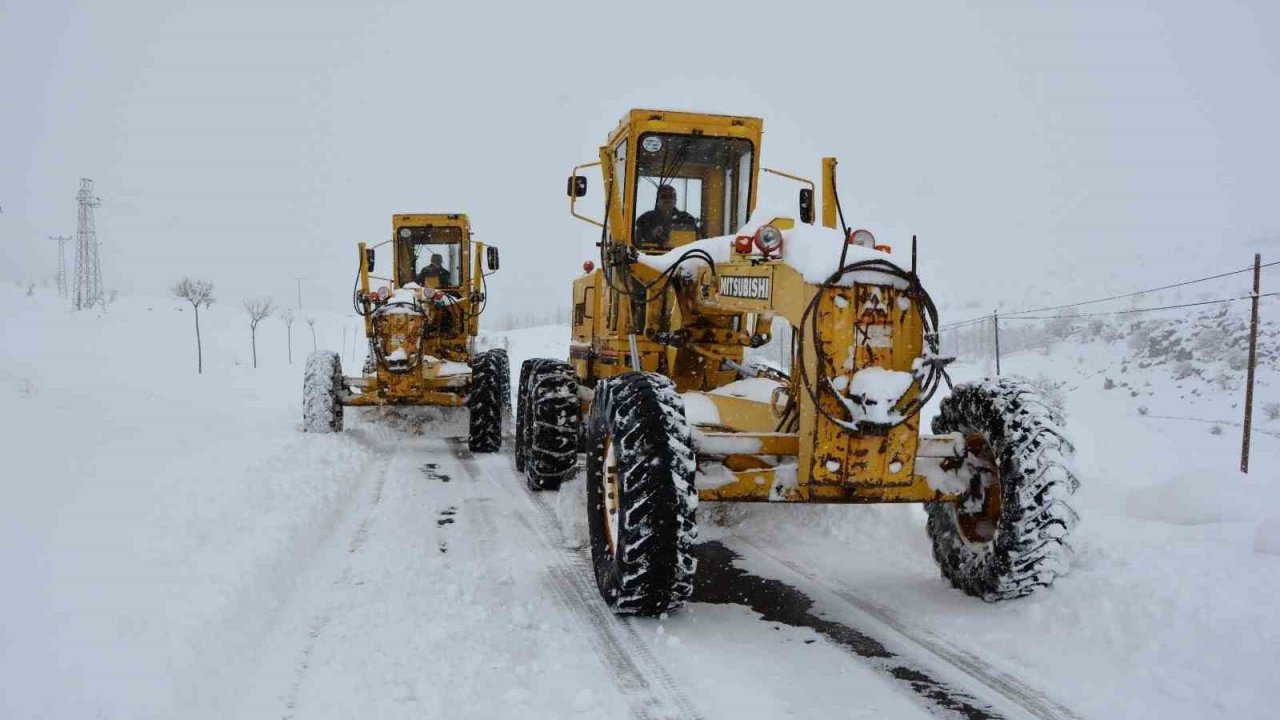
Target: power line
(88, 285)
(1012, 315)
(62, 263)
(1141, 292)
(964, 323)
(1139, 310)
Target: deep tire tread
(1030, 549)
(548, 423)
(322, 387)
(485, 402)
(653, 571)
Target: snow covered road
(173, 546)
(449, 589)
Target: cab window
(430, 256)
(689, 187)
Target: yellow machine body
(786, 448)
(436, 344)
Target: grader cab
(421, 324)
(670, 412)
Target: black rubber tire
(485, 402)
(642, 417)
(322, 387)
(521, 402)
(1029, 548)
(549, 418)
(505, 371)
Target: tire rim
(981, 527)
(609, 495)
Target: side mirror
(577, 186)
(806, 206)
(491, 257)
(368, 259)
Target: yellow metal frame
(696, 334)
(426, 384)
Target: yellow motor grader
(421, 324)
(658, 390)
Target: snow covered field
(173, 546)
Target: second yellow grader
(658, 392)
(421, 324)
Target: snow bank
(152, 514)
(1267, 538)
(1198, 497)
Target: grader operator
(421, 325)
(674, 415)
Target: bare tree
(196, 292)
(257, 309)
(312, 322)
(286, 317)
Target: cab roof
(681, 121)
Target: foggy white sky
(1086, 147)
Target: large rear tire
(485, 401)
(641, 500)
(322, 387)
(1008, 537)
(548, 420)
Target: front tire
(548, 420)
(322, 387)
(1008, 537)
(485, 401)
(641, 498)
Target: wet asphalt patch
(719, 581)
(446, 518)
(432, 472)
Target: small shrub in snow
(1139, 337)
(1143, 410)
(1272, 410)
(1215, 430)
(1108, 384)
(1224, 382)
(1183, 370)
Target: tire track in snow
(322, 620)
(1012, 689)
(649, 689)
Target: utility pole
(995, 320)
(1253, 360)
(299, 279)
(62, 263)
(88, 290)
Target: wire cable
(1138, 310)
(1141, 292)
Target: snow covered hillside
(173, 546)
